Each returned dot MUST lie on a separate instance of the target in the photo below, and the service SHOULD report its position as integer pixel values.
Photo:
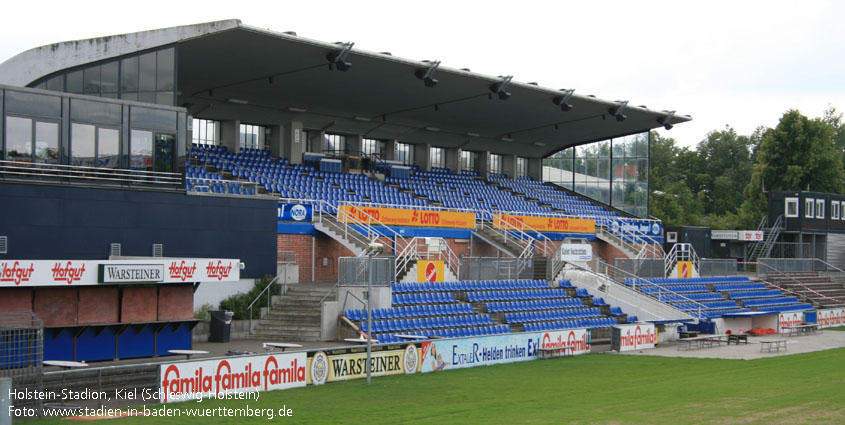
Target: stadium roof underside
(228, 71)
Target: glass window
(469, 160)
(834, 210)
(129, 76)
(91, 80)
(83, 145)
(56, 83)
(18, 139)
(46, 142)
(41, 105)
(252, 136)
(108, 148)
(371, 146)
(808, 207)
(436, 157)
(74, 82)
(820, 208)
(109, 77)
(147, 73)
(141, 147)
(791, 207)
(205, 132)
(521, 166)
(334, 143)
(404, 153)
(165, 145)
(165, 69)
(495, 163)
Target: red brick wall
(16, 299)
(326, 247)
(98, 305)
(607, 251)
(175, 302)
(139, 304)
(56, 306)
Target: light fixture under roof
(238, 101)
(365, 119)
(471, 134)
(295, 109)
(539, 144)
(432, 128)
(507, 138)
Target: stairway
(511, 247)
(540, 264)
(764, 248)
(351, 239)
(296, 316)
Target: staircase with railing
(681, 255)
(763, 248)
(510, 235)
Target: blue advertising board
(444, 354)
(294, 212)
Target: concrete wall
(214, 292)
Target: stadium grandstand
(148, 174)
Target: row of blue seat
(571, 324)
(411, 311)
(429, 323)
(768, 302)
(754, 294)
(423, 298)
(485, 296)
(739, 287)
(715, 314)
(495, 307)
(782, 308)
(687, 281)
(469, 285)
(698, 297)
(654, 289)
(546, 316)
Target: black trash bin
(221, 325)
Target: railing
(618, 277)
(681, 252)
(764, 248)
(767, 266)
(646, 267)
(68, 173)
(607, 272)
(717, 267)
(195, 186)
(494, 268)
(258, 297)
(356, 270)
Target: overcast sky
(737, 63)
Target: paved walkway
(825, 340)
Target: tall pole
(369, 316)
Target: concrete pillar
(389, 151)
(535, 168)
(230, 135)
(509, 165)
(484, 163)
(293, 141)
(453, 159)
(422, 155)
(276, 140)
(353, 144)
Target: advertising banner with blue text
(294, 212)
(458, 353)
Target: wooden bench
(773, 343)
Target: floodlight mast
(373, 249)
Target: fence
(791, 250)
(796, 265)
(286, 257)
(645, 267)
(21, 350)
(496, 268)
(717, 267)
(355, 270)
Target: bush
(239, 303)
(202, 313)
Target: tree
(798, 154)
(723, 170)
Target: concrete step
(286, 328)
(293, 335)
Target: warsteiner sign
(405, 217)
(345, 364)
(544, 224)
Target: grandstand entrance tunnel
(294, 120)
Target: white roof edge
(33, 64)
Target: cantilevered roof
(227, 70)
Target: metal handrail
(801, 284)
(595, 263)
(34, 169)
(266, 288)
(680, 252)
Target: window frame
(820, 208)
(835, 210)
(786, 203)
(809, 207)
(33, 137)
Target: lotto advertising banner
(636, 337)
(350, 363)
(221, 378)
(459, 353)
(830, 318)
(294, 212)
(430, 271)
(25, 273)
(406, 217)
(578, 340)
(545, 224)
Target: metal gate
(22, 350)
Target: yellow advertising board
(406, 217)
(345, 364)
(545, 224)
(430, 271)
(685, 269)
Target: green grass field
(595, 388)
